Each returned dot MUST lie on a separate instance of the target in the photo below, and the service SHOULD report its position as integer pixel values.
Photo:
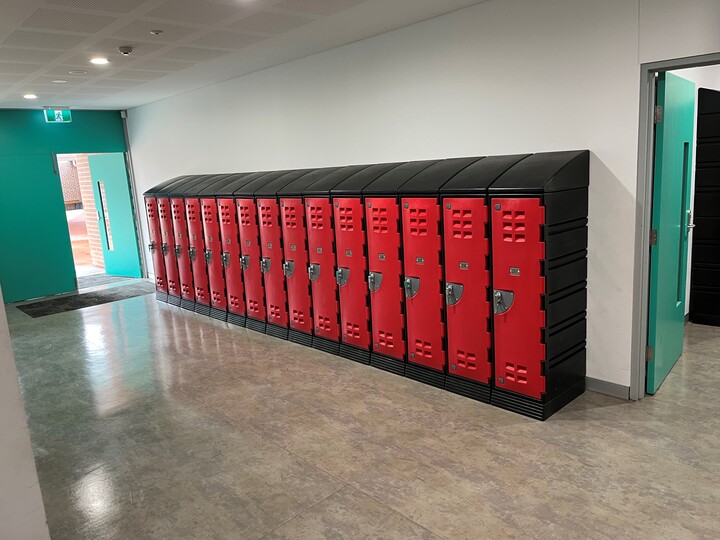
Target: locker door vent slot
(379, 220)
(266, 216)
(462, 224)
(513, 226)
(298, 317)
(323, 323)
(352, 330)
(516, 373)
(466, 360)
(422, 349)
(245, 215)
(316, 217)
(290, 215)
(235, 302)
(418, 222)
(254, 306)
(346, 219)
(275, 312)
(386, 339)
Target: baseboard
(607, 388)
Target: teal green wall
(36, 255)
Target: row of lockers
(467, 274)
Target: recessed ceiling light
(156, 32)
(59, 81)
(77, 72)
(30, 96)
(99, 61)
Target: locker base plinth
(237, 320)
(187, 304)
(161, 296)
(255, 325)
(276, 331)
(219, 314)
(362, 356)
(327, 345)
(707, 320)
(536, 408)
(173, 300)
(300, 337)
(387, 363)
(468, 388)
(202, 309)
(425, 375)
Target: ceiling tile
(92, 90)
(192, 54)
(40, 56)
(113, 6)
(7, 78)
(268, 22)
(161, 64)
(62, 71)
(194, 11)
(140, 30)
(318, 7)
(71, 80)
(135, 74)
(12, 67)
(110, 47)
(110, 82)
(53, 19)
(42, 40)
(227, 40)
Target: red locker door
(350, 274)
(423, 282)
(197, 251)
(156, 244)
(213, 253)
(517, 298)
(322, 268)
(295, 264)
(250, 251)
(271, 262)
(467, 279)
(168, 247)
(231, 256)
(385, 268)
(181, 249)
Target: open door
(670, 224)
(115, 214)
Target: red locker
(423, 283)
(168, 249)
(197, 255)
(250, 259)
(321, 269)
(518, 289)
(213, 258)
(385, 268)
(155, 246)
(231, 260)
(467, 280)
(296, 261)
(182, 246)
(351, 271)
(271, 264)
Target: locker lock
(374, 281)
(453, 293)
(151, 246)
(342, 275)
(502, 301)
(314, 271)
(265, 265)
(178, 251)
(412, 286)
(164, 248)
(245, 261)
(192, 253)
(208, 256)
(225, 257)
(288, 268)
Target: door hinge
(653, 237)
(658, 114)
(649, 353)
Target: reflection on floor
(150, 422)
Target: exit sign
(58, 116)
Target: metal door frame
(643, 210)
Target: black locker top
(227, 188)
(248, 190)
(322, 187)
(208, 180)
(297, 186)
(358, 181)
(270, 189)
(477, 178)
(546, 172)
(211, 190)
(430, 180)
(160, 188)
(390, 182)
(178, 190)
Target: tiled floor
(150, 422)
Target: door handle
(503, 301)
(690, 224)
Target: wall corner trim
(607, 388)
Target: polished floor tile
(151, 422)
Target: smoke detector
(125, 50)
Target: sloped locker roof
(297, 186)
(322, 187)
(248, 189)
(430, 180)
(270, 189)
(546, 172)
(162, 187)
(478, 177)
(358, 181)
(390, 182)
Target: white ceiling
(203, 42)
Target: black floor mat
(98, 279)
(62, 304)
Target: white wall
(22, 514)
(506, 76)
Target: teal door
(36, 257)
(115, 214)
(674, 133)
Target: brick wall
(70, 182)
(91, 216)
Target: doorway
(674, 194)
(100, 218)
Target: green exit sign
(58, 116)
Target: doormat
(85, 282)
(62, 304)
